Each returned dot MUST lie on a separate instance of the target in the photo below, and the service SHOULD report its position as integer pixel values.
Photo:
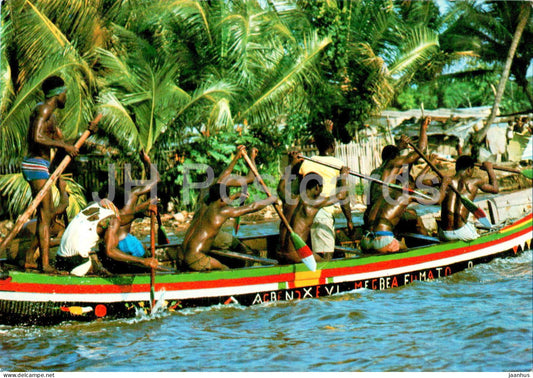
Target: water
(476, 320)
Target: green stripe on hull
(38, 278)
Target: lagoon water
(476, 320)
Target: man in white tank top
(97, 221)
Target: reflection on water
(476, 320)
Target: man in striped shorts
(42, 136)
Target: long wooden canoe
(36, 298)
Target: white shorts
(323, 232)
(466, 233)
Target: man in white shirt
(97, 221)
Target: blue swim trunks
(132, 246)
(35, 169)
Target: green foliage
(16, 193)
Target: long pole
(370, 178)
(23, 218)
(153, 220)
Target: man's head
(325, 142)
(389, 152)
(312, 184)
(218, 192)
(55, 86)
(463, 163)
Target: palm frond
(301, 69)
(117, 121)
(419, 45)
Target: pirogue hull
(34, 298)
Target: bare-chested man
(454, 215)
(206, 224)
(42, 136)
(392, 165)
(385, 215)
(304, 214)
(225, 240)
(131, 209)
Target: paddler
(43, 135)
(225, 240)
(386, 213)
(206, 224)
(394, 164)
(454, 223)
(99, 221)
(323, 227)
(310, 203)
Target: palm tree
(488, 28)
(373, 55)
(524, 17)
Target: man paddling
(454, 215)
(225, 240)
(206, 224)
(42, 136)
(309, 204)
(323, 228)
(384, 216)
(393, 164)
(99, 221)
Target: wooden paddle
(153, 216)
(370, 178)
(23, 218)
(525, 172)
(303, 249)
(242, 256)
(471, 206)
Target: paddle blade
(236, 226)
(477, 211)
(162, 237)
(528, 173)
(304, 252)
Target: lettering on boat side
(291, 294)
(383, 283)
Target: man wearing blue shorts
(44, 135)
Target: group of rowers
(98, 239)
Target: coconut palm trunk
(523, 18)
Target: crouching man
(97, 222)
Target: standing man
(323, 228)
(44, 135)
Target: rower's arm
(492, 185)
(224, 176)
(233, 212)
